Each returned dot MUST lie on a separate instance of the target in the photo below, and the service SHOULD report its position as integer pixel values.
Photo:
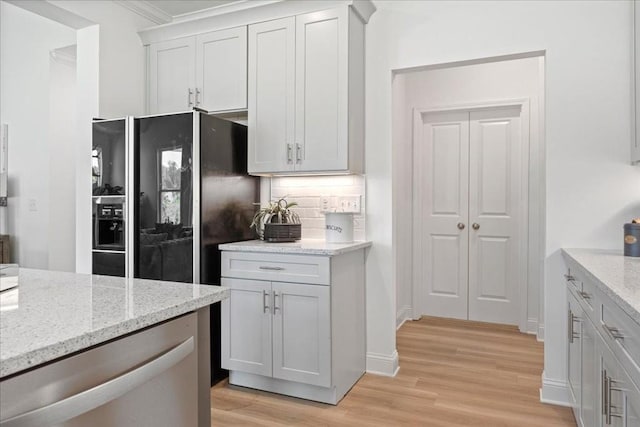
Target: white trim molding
(553, 391)
(540, 336)
(405, 313)
(245, 13)
(146, 10)
(382, 364)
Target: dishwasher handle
(101, 394)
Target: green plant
(278, 212)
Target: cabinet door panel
(590, 377)
(321, 90)
(246, 327)
(612, 401)
(574, 352)
(171, 75)
(301, 333)
(271, 96)
(221, 70)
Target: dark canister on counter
(632, 239)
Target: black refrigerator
(190, 193)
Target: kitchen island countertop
(616, 275)
(301, 247)
(54, 314)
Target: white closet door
(172, 76)
(494, 203)
(442, 169)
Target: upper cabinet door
(221, 70)
(635, 143)
(171, 76)
(322, 101)
(271, 98)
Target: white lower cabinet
(286, 336)
(602, 373)
(278, 329)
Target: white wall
(26, 42)
(113, 81)
(122, 58)
(591, 189)
(62, 174)
(447, 87)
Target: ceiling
(179, 7)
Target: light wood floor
(452, 373)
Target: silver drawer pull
(613, 332)
(584, 295)
(268, 267)
(101, 394)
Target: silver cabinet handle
(603, 389)
(572, 333)
(608, 389)
(460, 226)
(265, 304)
(289, 153)
(99, 395)
(569, 277)
(298, 153)
(189, 95)
(613, 332)
(584, 295)
(268, 267)
(275, 306)
(475, 226)
(197, 97)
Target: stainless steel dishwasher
(148, 378)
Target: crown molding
(146, 10)
(66, 55)
(245, 13)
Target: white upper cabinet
(271, 96)
(171, 75)
(208, 71)
(221, 70)
(635, 141)
(310, 116)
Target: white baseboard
(554, 392)
(404, 314)
(541, 332)
(532, 326)
(382, 364)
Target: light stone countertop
(53, 314)
(301, 247)
(616, 275)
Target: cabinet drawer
(277, 267)
(586, 293)
(622, 334)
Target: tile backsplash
(311, 192)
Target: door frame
(529, 242)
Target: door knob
(475, 226)
(461, 226)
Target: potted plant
(277, 222)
